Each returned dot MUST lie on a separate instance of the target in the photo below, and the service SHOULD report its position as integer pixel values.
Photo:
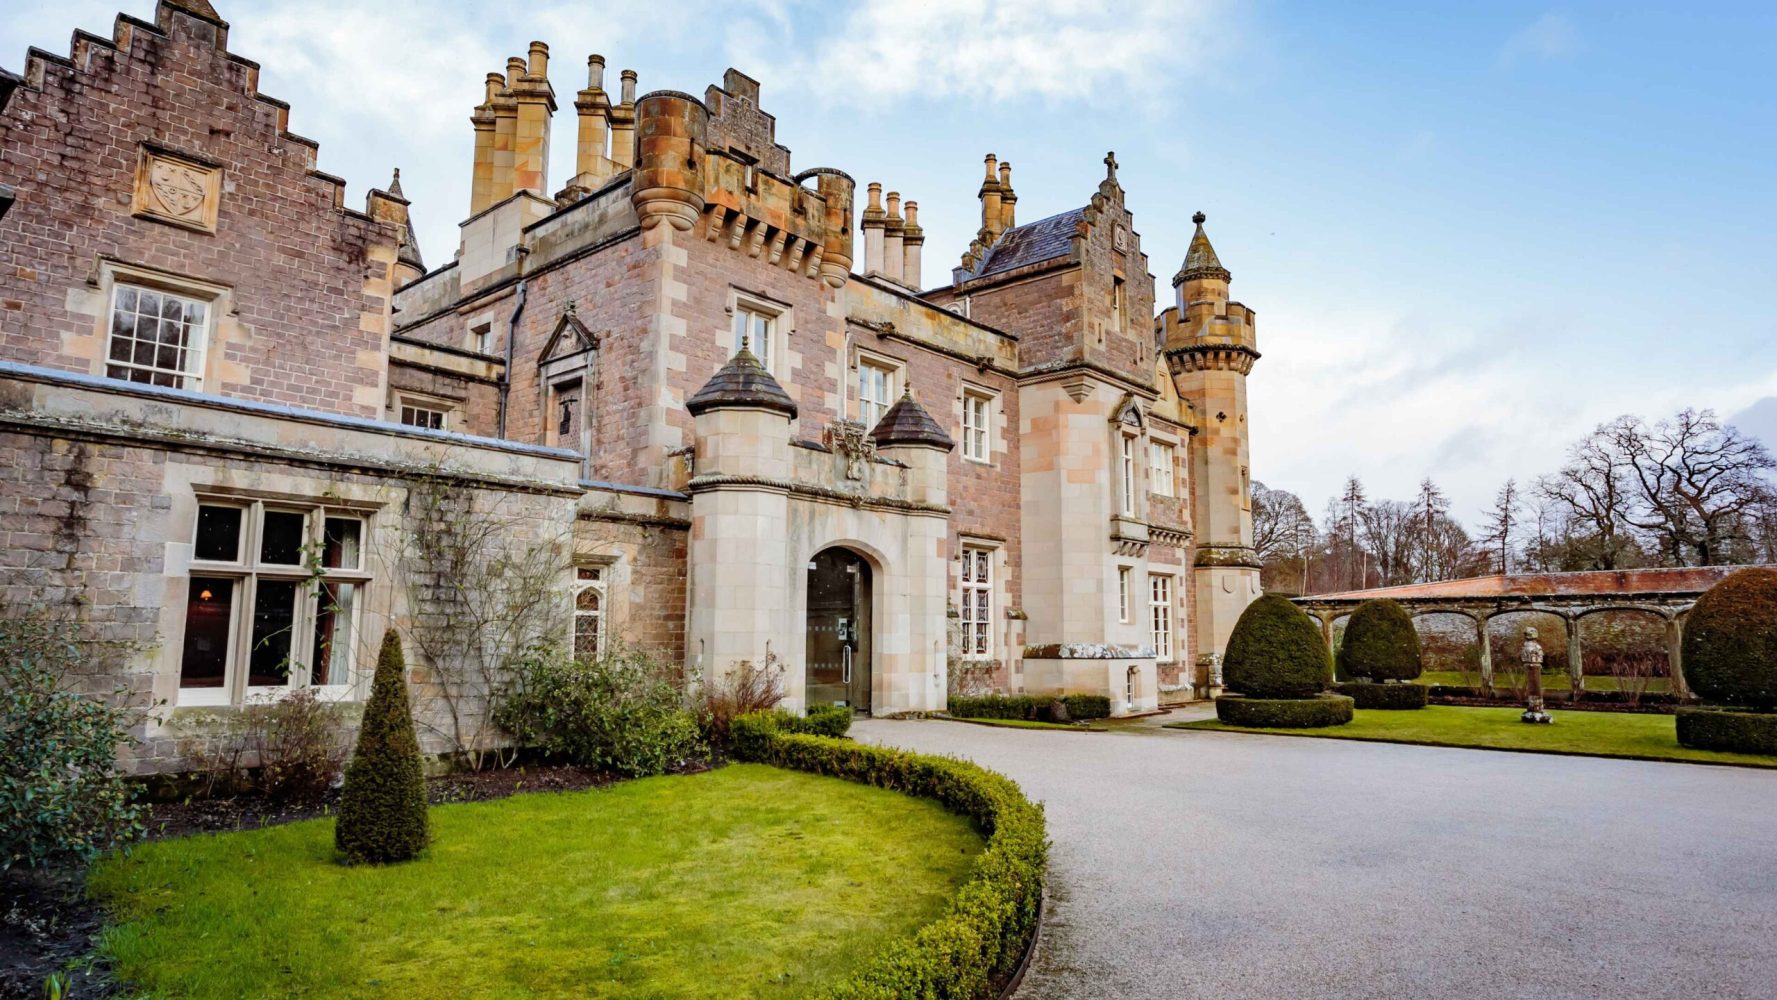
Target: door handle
(845, 659)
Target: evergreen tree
(382, 809)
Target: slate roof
(1031, 243)
(907, 422)
(742, 382)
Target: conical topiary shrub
(1278, 663)
(1730, 661)
(1381, 647)
(382, 809)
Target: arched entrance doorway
(837, 654)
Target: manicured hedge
(974, 947)
(1276, 651)
(1284, 713)
(1720, 729)
(1366, 694)
(1380, 644)
(831, 721)
(1730, 641)
(1030, 706)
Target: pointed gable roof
(409, 250)
(907, 422)
(742, 383)
(1031, 243)
(1200, 260)
(570, 329)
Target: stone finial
(1110, 165)
(1199, 218)
(395, 184)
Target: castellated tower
(1210, 346)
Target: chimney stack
(591, 164)
(481, 182)
(505, 131)
(623, 124)
(535, 99)
(1008, 198)
(892, 228)
(913, 239)
(872, 225)
(992, 220)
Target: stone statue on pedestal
(1532, 658)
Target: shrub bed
(1709, 728)
(976, 945)
(1284, 713)
(1036, 708)
(1657, 702)
(1367, 694)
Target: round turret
(671, 131)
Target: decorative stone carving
(177, 190)
(1531, 656)
(851, 440)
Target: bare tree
(1695, 480)
(487, 591)
(1389, 528)
(1430, 508)
(1502, 522)
(1593, 492)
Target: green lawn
(1552, 681)
(1090, 727)
(1598, 734)
(745, 881)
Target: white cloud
(1550, 36)
(888, 49)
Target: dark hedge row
(1380, 644)
(1366, 694)
(1276, 651)
(1709, 728)
(1285, 713)
(975, 946)
(1730, 641)
(1029, 706)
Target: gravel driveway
(1222, 865)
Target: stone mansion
(721, 398)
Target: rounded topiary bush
(1711, 728)
(1316, 712)
(382, 808)
(1276, 651)
(1730, 641)
(1367, 694)
(1381, 643)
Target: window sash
(875, 389)
(428, 417)
(1128, 463)
(587, 638)
(156, 337)
(976, 417)
(756, 328)
(1160, 605)
(1123, 584)
(1160, 456)
(977, 604)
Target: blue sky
(1469, 234)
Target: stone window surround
(248, 570)
(1125, 594)
(110, 273)
(968, 546)
(1128, 475)
(783, 326)
(897, 372)
(991, 398)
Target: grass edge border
(1324, 734)
(979, 946)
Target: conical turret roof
(1201, 260)
(409, 250)
(742, 383)
(907, 422)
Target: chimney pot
(494, 82)
(894, 204)
(992, 168)
(1006, 174)
(912, 214)
(514, 70)
(629, 86)
(875, 190)
(539, 61)
(595, 72)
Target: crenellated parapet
(672, 129)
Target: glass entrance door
(837, 653)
